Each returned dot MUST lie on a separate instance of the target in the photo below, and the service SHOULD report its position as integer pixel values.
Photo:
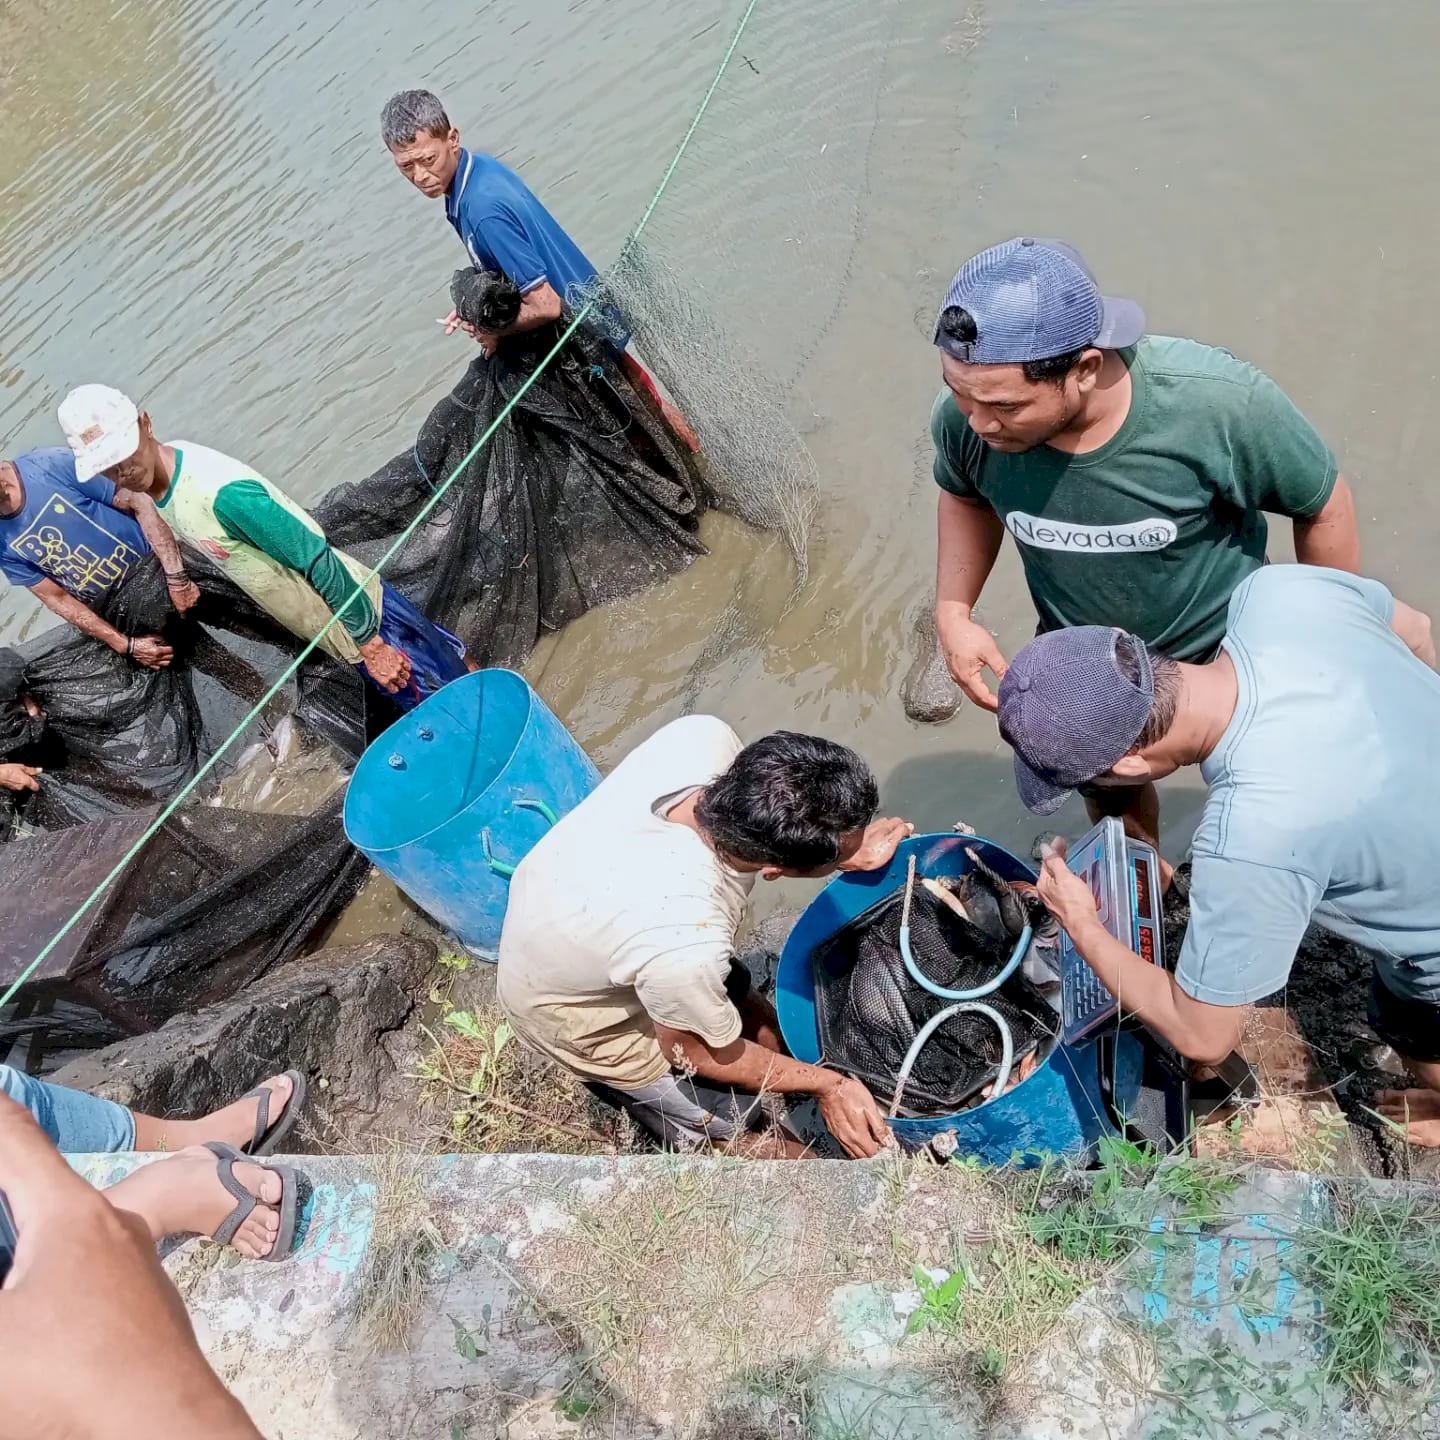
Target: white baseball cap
(101, 426)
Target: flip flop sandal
(295, 1190)
(267, 1137)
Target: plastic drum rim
(406, 728)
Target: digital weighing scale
(1124, 877)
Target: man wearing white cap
(266, 544)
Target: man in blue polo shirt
(504, 228)
(71, 543)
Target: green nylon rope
(385, 559)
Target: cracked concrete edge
(286, 1337)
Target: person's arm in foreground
(184, 592)
(1413, 627)
(97, 1342)
(1331, 537)
(147, 650)
(249, 513)
(1199, 1031)
(967, 542)
(847, 1107)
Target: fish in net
(579, 497)
(870, 1008)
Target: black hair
(410, 113)
(957, 323)
(787, 800)
(6, 514)
(1167, 689)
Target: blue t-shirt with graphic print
(67, 530)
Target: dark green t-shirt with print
(1154, 530)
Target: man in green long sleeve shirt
(267, 544)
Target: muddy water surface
(197, 208)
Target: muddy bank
(1312, 1048)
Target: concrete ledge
(641, 1296)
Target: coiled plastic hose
(1011, 966)
(966, 1002)
(1007, 1047)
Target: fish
(1024, 1068)
(484, 298)
(282, 739)
(1012, 911)
(947, 897)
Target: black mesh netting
(219, 894)
(581, 496)
(869, 1009)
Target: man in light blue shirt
(1315, 729)
(505, 229)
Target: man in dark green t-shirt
(1133, 471)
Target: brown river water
(196, 207)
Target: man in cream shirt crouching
(618, 954)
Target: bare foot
(1417, 1111)
(183, 1195)
(234, 1124)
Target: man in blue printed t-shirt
(72, 542)
(1314, 728)
(505, 229)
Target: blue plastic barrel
(452, 797)
(1062, 1109)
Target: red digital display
(1142, 887)
(1147, 944)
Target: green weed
(1376, 1274)
(1198, 1188)
(502, 1096)
(942, 1302)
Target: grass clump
(401, 1252)
(1049, 1234)
(499, 1095)
(1199, 1189)
(1099, 1216)
(685, 1277)
(1376, 1273)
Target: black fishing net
(870, 1009)
(581, 496)
(110, 734)
(220, 894)
(212, 902)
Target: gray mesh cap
(1070, 711)
(1033, 300)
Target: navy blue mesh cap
(1070, 711)
(1032, 300)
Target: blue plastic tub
(454, 795)
(1060, 1110)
